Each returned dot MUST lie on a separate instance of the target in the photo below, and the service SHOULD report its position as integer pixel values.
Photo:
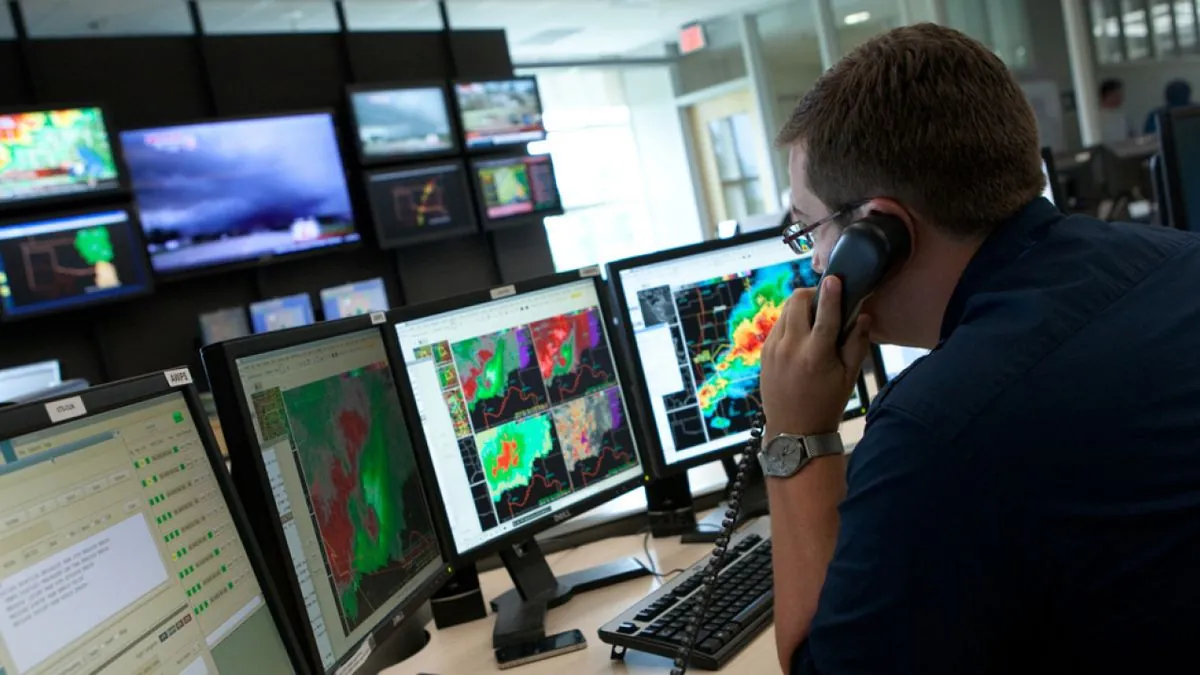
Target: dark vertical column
(198, 33)
(22, 34)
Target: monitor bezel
(408, 401)
(492, 146)
(321, 295)
(139, 242)
(121, 193)
(250, 471)
(653, 454)
(26, 418)
(1169, 153)
(390, 243)
(516, 220)
(1052, 178)
(456, 134)
(263, 260)
(312, 311)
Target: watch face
(783, 456)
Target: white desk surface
(467, 649)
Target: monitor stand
(668, 497)
(521, 612)
(409, 638)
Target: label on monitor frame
(378, 318)
(503, 292)
(589, 271)
(65, 409)
(179, 377)
(356, 661)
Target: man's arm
(804, 530)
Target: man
(1027, 497)
(1114, 123)
(1177, 94)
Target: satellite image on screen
(402, 122)
(53, 153)
(225, 192)
(517, 186)
(501, 112)
(349, 434)
(69, 261)
(719, 326)
(420, 204)
(537, 412)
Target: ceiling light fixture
(856, 18)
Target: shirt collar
(1004, 245)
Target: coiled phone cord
(713, 570)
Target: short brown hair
(929, 117)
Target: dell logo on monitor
(562, 515)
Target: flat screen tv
(417, 204)
(516, 190)
(396, 122)
(55, 153)
(498, 113)
(241, 191)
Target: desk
(467, 649)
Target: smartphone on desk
(549, 646)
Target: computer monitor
(1179, 146)
(56, 153)
(396, 122)
(21, 381)
(695, 319)
(1052, 190)
(55, 264)
(239, 192)
(420, 204)
(323, 456)
(362, 297)
(125, 548)
(224, 324)
(498, 113)
(516, 190)
(891, 360)
(521, 403)
(289, 311)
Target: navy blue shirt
(1026, 498)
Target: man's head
(1178, 93)
(1112, 94)
(927, 125)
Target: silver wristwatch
(784, 455)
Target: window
(281, 16)
(1134, 30)
(609, 135)
(87, 18)
(737, 165)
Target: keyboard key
(627, 628)
(709, 646)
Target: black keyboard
(742, 606)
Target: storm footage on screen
(396, 123)
(57, 264)
(500, 112)
(700, 323)
(342, 466)
(55, 152)
(224, 192)
(522, 408)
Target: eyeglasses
(799, 236)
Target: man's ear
(891, 207)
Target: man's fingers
(829, 314)
(798, 309)
(858, 344)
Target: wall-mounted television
(289, 311)
(398, 122)
(55, 153)
(240, 191)
(516, 190)
(498, 113)
(418, 204)
(61, 263)
(354, 299)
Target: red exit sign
(692, 39)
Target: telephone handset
(868, 251)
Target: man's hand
(806, 378)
